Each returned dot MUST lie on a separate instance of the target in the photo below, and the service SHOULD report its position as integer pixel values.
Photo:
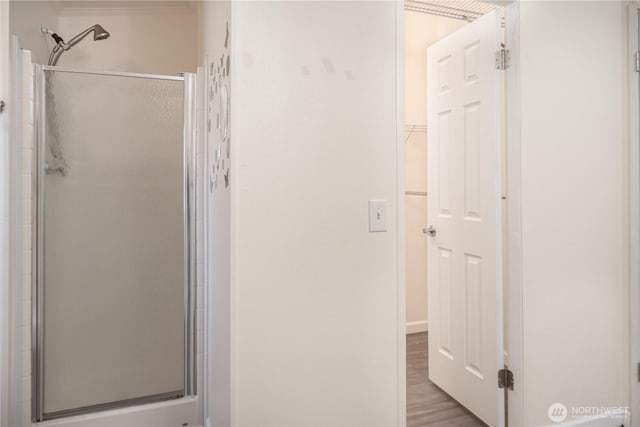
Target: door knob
(431, 231)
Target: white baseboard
(418, 326)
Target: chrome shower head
(99, 33)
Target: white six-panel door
(464, 256)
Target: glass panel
(114, 240)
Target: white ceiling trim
(115, 7)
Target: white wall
(155, 40)
(573, 206)
(317, 300)
(214, 45)
(26, 19)
(421, 31)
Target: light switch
(377, 215)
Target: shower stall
(113, 313)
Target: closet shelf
(415, 128)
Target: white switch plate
(377, 215)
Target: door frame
(400, 215)
(513, 279)
(513, 316)
(633, 221)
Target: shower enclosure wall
(113, 313)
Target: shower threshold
(173, 395)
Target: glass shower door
(113, 245)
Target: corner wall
(214, 53)
(318, 301)
(574, 198)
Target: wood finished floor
(427, 404)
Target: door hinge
(505, 379)
(637, 57)
(639, 372)
(503, 59)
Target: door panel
(464, 257)
(113, 243)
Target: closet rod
(415, 128)
(437, 12)
(410, 129)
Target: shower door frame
(189, 218)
